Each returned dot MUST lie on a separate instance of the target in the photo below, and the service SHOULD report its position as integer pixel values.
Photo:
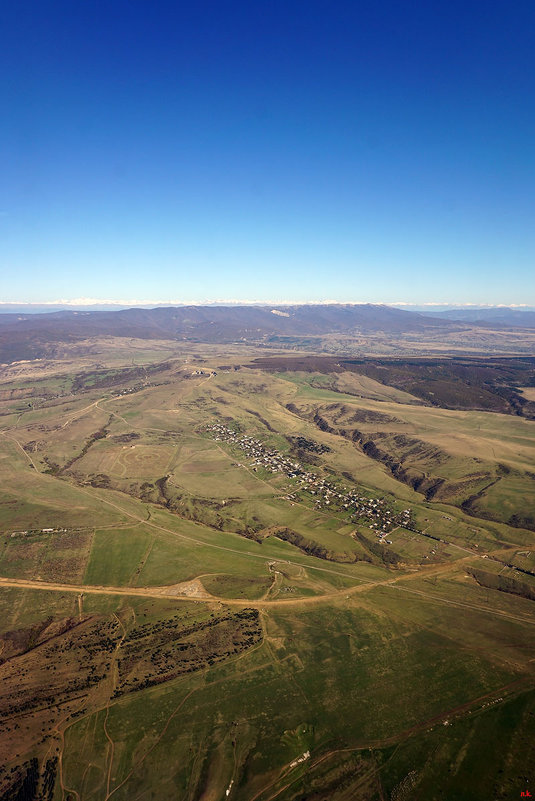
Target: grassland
(181, 620)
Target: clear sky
(186, 151)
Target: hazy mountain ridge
(503, 316)
(26, 336)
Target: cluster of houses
(270, 460)
(33, 531)
(377, 513)
(118, 393)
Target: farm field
(221, 578)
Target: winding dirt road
(180, 593)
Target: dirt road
(180, 593)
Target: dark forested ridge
(451, 383)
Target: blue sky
(359, 151)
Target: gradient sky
(359, 151)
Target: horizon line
(133, 303)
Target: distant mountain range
(496, 316)
(28, 336)
(34, 335)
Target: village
(376, 513)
